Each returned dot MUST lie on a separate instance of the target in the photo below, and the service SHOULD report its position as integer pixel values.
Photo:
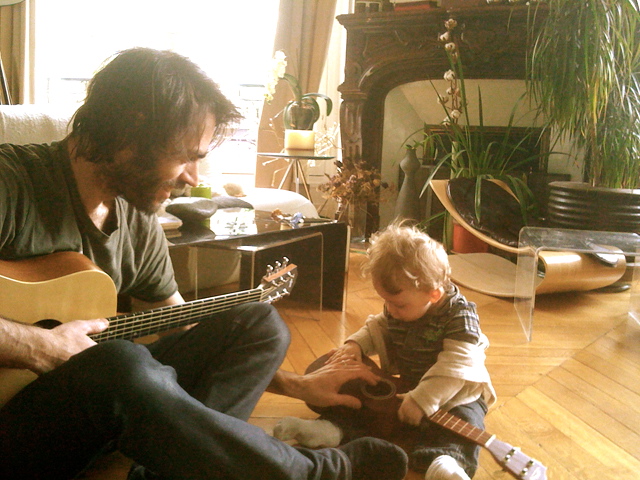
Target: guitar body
(67, 286)
(62, 286)
(378, 416)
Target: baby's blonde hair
(402, 256)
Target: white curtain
(304, 30)
(17, 46)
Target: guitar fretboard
(459, 426)
(135, 325)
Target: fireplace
(389, 49)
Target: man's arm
(41, 350)
(141, 306)
(321, 387)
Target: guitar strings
(161, 318)
(154, 322)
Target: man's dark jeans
(179, 407)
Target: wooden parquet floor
(570, 398)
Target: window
(232, 41)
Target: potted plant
(303, 111)
(474, 151)
(583, 74)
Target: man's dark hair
(147, 100)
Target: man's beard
(136, 184)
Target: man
(178, 407)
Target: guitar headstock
(515, 462)
(278, 281)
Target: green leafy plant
(303, 111)
(583, 73)
(472, 152)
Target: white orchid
(278, 69)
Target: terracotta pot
(466, 242)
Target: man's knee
(264, 320)
(120, 364)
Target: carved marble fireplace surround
(389, 49)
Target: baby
(429, 334)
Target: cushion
(226, 201)
(197, 209)
(500, 215)
(192, 209)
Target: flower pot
(580, 206)
(466, 242)
(301, 115)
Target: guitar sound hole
(383, 390)
(48, 323)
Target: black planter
(583, 207)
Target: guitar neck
(462, 428)
(511, 459)
(277, 283)
(140, 324)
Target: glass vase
(354, 214)
(301, 115)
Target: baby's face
(408, 305)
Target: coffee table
(318, 247)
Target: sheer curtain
(17, 48)
(303, 33)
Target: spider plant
(470, 151)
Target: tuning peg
(285, 261)
(269, 269)
(278, 265)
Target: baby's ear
(436, 294)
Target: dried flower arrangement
(354, 182)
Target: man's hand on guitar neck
(41, 350)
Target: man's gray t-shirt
(41, 213)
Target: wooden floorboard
(570, 398)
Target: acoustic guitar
(52, 289)
(379, 413)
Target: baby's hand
(348, 351)
(410, 412)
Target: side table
(305, 251)
(295, 168)
(533, 240)
(319, 248)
